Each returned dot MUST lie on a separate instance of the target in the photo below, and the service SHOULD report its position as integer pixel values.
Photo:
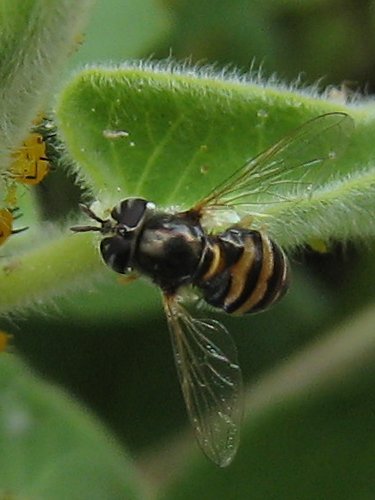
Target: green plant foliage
(171, 135)
(179, 133)
(36, 38)
(52, 448)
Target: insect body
(7, 216)
(40, 152)
(244, 271)
(238, 270)
(30, 163)
(41, 148)
(5, 341)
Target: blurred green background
(120, 366)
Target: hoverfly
(238, 270)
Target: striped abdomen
(242, 272)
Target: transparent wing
(281, 172)
(210, 378)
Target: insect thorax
(169, 250)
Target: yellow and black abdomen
(243, 272)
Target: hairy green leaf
(171, 135)
(52, 448)
(36, 38)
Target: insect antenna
(86, 210)
(105, 224)
(83, 229)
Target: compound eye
(130, 212)
(116, 253)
